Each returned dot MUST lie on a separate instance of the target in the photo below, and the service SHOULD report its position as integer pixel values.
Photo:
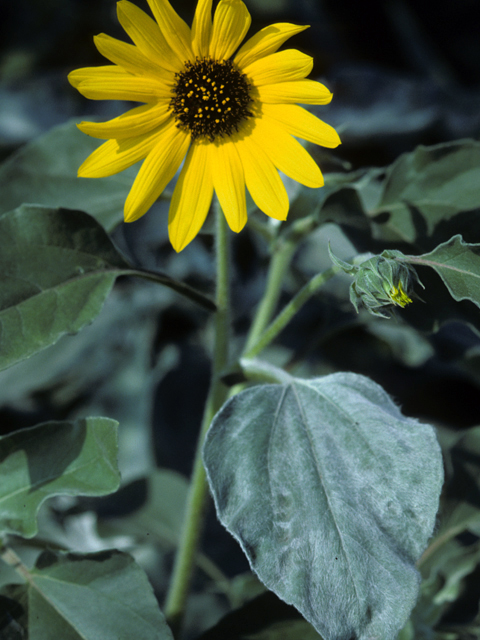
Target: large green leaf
(332, 494)
(458, 264)
(104, 595)
(72, 458)
(45, 172)
(57, 267)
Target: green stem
(254, 347)
(277, 271)
(198, 492)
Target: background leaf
(265, 617)
(430, 185)
(105, 595)
(421, 200)
(325, 483)
(45, 172)
(73, 458)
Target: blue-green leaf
(104, 595)
(332, 494)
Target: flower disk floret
(231, 117)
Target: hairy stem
(198, 492)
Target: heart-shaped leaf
(332, 494)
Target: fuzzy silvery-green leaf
(104, 595)
(458, 264)
(57, 267)
(332, 494)
(54, 458)
(45, 172)
(428, 186)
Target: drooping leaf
(45, 172)
(53, 458)
(57, 267)
(458, 264)
(332, 494)
(104, 595)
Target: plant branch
(277, 271)
(284, 317)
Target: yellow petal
(303, 124)
(261, 177)
(115, 156)
(300, 91)
(131, 124)
(192, 197)
(130, 58)
(265, 42)
(230, 24)
(113, 83)
(229, 183)
(175, 31)
(286, 153)
(85, 73)
(202, 28)
(282, 66)
(157, 170)
(146, 34)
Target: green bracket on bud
(381, 282)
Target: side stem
(277, 271)
(198, 492)
(284, 317)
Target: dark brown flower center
(210, 98)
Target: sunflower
(231, 116)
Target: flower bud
(381, 282)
